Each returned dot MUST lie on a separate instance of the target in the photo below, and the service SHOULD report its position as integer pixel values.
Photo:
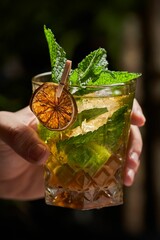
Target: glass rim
(43, 74)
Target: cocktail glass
(85, 169)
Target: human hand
(135, 144)
(22, 155)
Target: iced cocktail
(86, 127)
(86, 165)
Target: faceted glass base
(91, 199)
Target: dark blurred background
(130, 32)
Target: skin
(22, 154)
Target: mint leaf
(88, 115)
(108, 134)
(45, 134)
(57, 55)
(87, 157)
(115, 127)
(89, 68)
(114, 77)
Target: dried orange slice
(55, 113)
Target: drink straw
(64, 77)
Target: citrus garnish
(55, 113)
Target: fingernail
(130, 174)
(140, 113)
(134, 156)
(38, 153)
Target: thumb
(22, 139)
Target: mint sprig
(92, 70)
